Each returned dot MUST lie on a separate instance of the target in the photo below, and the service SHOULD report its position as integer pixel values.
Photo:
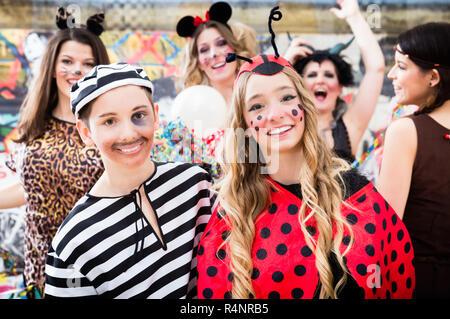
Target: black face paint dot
(306, 251)
(256, 128)
(297, 293)
(286, 228)
(259, 118)
(277, 276)
(301, 118)
(274, 295)
(292, 209)
(400, 235)
(265, 232)
(299, 270)
(255, 273)
(273, 208)
(251, 123)
(281, 249)
(294, 112)
(370, 250)
(370, 228)
(207, 293)
(211, 271)
(261, 254)
(352, 219)
(361, 269)
(300, 106)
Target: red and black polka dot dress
(379, 261)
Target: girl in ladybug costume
(294, 221)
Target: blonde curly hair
(244, 193)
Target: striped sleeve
(202, 220)
(64, 280)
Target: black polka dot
(311, 230)
(286, 228)
(225, 235)
(299, 270)
(261, 254)
(370, 228)
(361, 269)
(394, 219)
(292, 209)
(281, 249)
(389, 238)
(265, 232)
(297, 293)
(407, 247)
(272, 208)
(400, 234)
(221, 254)
(201, 250)
(401, 269)
(376, 208)
(294, 112)
(211, 271)
(388, 294)
(393, 255)
(255, 273)
(207, 293)
(370, 250)
(408, 283)
(274, 295)
(221, 213)
(385, 260)
(361, 199)
(230, 277)
(386, 204)
(227, 295)
(384, 224)
(382, 245)
(306, 251)
(346, 240)
(388, 274)
(352, 219)
(277, 276)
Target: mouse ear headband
(94, 23)
(269, 64)
(219, 11)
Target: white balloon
(201, 108)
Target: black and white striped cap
(103, 78)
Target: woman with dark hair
(415, 175)
(326, 73)
(54, 166)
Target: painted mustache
(125, 144)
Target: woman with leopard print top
(54, 166)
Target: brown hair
(42, 96)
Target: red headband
(265, 65)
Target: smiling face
(212, 49)
(322, 82)
(274, 113)
(74, 60)
(121, 122)
(411, 84)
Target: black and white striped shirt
(106, 246)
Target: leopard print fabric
(56, 170)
